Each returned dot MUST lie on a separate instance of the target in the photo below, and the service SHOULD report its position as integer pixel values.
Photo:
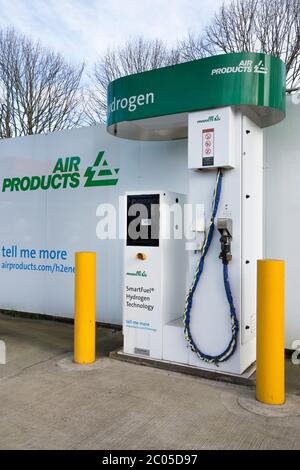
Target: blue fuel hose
(229, 351)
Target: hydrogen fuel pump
(193, 301)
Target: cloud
(83, 29)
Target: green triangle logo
(100, 174)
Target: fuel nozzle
(225, 228)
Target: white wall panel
(65, 219)
(282, 208)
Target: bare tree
(269, 26)
(137, 55)
(192, 48)
(39, 90)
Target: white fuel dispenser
(194, 302)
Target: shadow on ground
(119, 405)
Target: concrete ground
(47, 404)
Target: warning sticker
(208, 147)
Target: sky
(84, 29)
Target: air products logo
(66, 174)
(210, 119)
(245, 66)
(100, 174)
(137, 273)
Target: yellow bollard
(270, 387)
(85, 308)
